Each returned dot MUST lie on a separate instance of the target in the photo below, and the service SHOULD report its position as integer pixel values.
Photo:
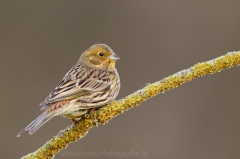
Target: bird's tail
(37, 123)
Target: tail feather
(37, 123)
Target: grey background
(41, 40)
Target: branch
(108, 112)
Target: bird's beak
(114, 57)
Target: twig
(106, 113)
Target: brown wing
(83, 83)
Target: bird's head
(99, 56)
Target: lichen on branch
(108, 112)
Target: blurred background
(41, 40)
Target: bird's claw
(96, 122)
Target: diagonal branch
(106, 113)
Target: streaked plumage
(92, 82)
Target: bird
(91, 83)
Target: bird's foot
(94, 118)
(74, 122)
(96, 122)
(91, 115)
(91, 111)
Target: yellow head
(99, 56)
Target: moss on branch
(106, 113)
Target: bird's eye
(101, 54)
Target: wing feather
(72, 87)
